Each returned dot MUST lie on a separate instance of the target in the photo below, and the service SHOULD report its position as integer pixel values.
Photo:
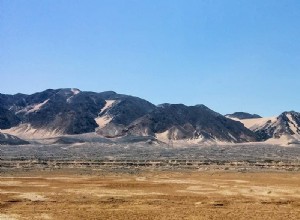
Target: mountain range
(283, 129)
(60, 112)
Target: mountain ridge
(284, 128)
(242, 115)
(68, 111)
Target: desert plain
(149, 194)
(135, 181)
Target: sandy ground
(150, 195)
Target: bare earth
(150, 195)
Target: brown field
(150, 195)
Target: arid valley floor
(138, 182)
(64, 194)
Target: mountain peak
(242, 115)
(284, 129)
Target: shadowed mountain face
(242, 115)
(63, 110)
(8, 118)
(71, 111)
(67, 111)
(6, 139)
(129, 109)
(192, 122)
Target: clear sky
(231, 55)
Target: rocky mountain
(177, 121)
(7, 139)
(70, 111)
(67, 111)
(283, 129)
(242, 115)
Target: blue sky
(235, 55)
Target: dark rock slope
(68, 111)
(185, 122)
(242, 115)
(286, 124)
(7, 139)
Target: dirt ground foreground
(150, 195)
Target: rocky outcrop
(286, 124)
(7, 139)
(178, 121)
(242, 115)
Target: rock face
(63, 111)
(114, 119)
(286, 124)
(283, 129)
(177, 121)
(7, 139)
(67, 111)
(8, 118)
(242, 115)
